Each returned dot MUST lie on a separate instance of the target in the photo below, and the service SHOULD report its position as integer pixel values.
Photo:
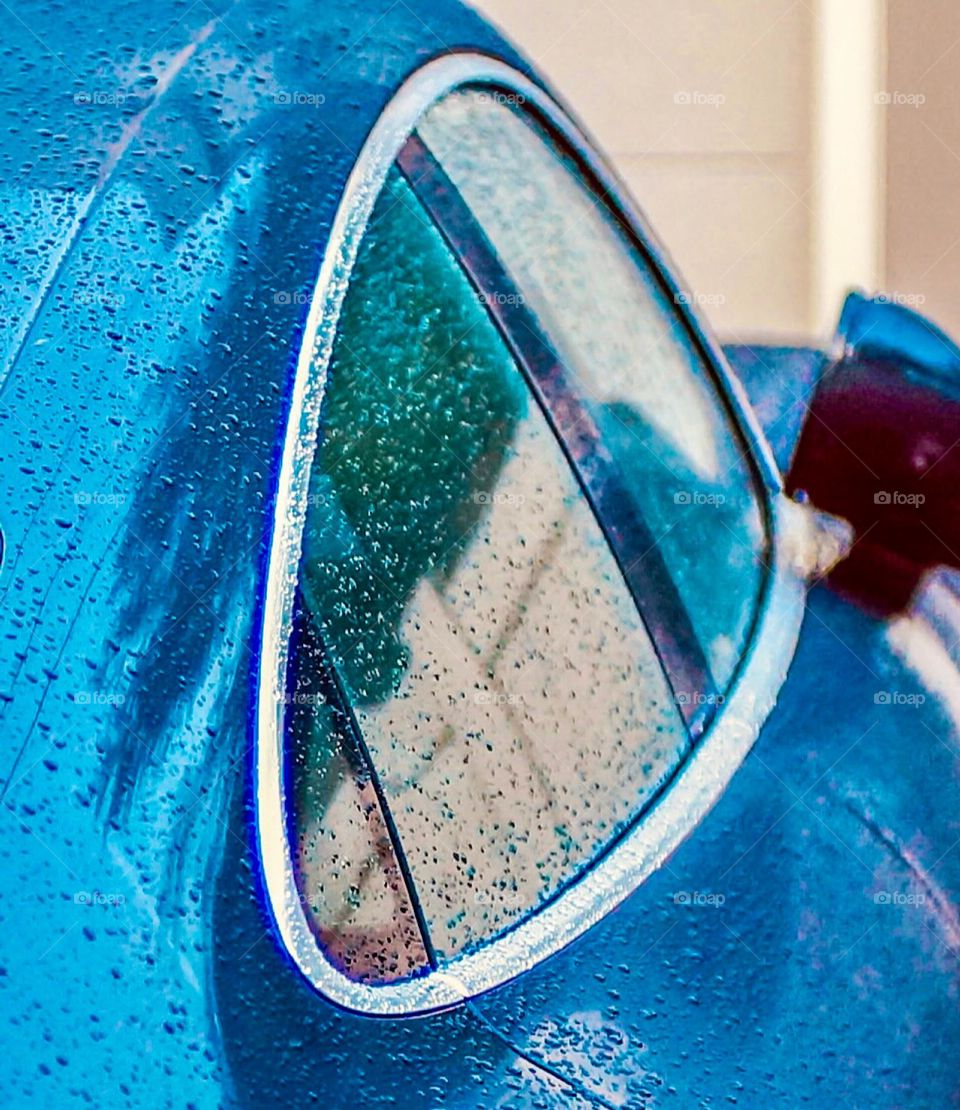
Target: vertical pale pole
(849, 171)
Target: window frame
(696, 784)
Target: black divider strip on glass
(336, 695)
(633, 545)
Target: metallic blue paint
(166, 198)
(801, 947)
(780, 383)
(883, 330)
(160, 242)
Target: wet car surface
(160, 247)
(801, 946)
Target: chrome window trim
(697, 784)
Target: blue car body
(169, 182)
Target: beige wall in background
(705, 108)
(923, 157)
(847, 162)
(776, 152)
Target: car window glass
(623, 342)
(486, 654)
(348, 877)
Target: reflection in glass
(623, 343)
(473, 616)
(348, 877)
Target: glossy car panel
(143, 407)
(801, 948)
(169, 194)
(779, 382)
